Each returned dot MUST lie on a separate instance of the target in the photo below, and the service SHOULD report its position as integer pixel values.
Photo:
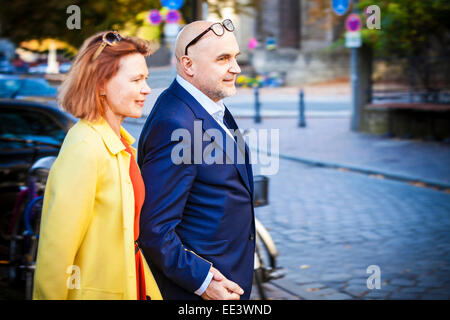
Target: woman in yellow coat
(89, 227)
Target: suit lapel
(208, 122)
(231, 123)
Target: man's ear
(186, 64)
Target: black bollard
(257, 105)
(302, 122)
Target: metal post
(257, 104)
(354, 79)
(302, 122)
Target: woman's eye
(139, 79)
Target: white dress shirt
(216, 110)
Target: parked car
(6, 66)
(28, 132)
(34, 89)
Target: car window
(23, 124)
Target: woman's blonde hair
(79, 94)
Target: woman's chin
(135, 115)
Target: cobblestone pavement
(329, 140)
(274, 292)
(329, 226)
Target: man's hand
(220, 288)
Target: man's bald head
(188, 33)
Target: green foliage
(409, 27)
(22, 20)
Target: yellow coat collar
(111, 140)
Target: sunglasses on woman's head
(110, 38)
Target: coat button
(252, 237)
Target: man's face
(214, 65)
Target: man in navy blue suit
(197, 228)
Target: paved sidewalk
(329, 142)
(329, 226)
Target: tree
(22, 20)
(418, 31)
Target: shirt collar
(210, 106)
(111, 140)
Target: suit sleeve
(167, 187)
(67, 210)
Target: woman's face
(127, 90)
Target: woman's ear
(101, 90)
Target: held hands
(220, 288)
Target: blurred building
(290, 41)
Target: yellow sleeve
(67, 209)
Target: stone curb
(365, 170)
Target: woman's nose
(146, 89)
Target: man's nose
(235, 67)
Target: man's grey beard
(218, 94)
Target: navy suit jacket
(195, 214)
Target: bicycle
(266, 253)
(23, 229)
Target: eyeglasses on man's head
(218, 29)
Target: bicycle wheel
(260, 269)
(23, 246)
(32, 221)
(16, 245)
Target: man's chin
(230, 91)
(221, 93)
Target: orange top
(139, 196)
